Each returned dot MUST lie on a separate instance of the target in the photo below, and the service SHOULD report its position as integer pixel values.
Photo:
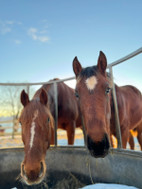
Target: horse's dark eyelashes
(76, 94)
(48, 120)
(108, 89)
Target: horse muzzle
(98, 149)
(33, 176)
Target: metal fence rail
(117, 123)
(131, 55)
(55, 82)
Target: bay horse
(138, 129)
(138, 133)
(68, 108)
(93, 87)
(37, 121)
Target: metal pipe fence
(55, 83)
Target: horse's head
(36, 122)
(92, 89)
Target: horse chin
(38, 180)
(98, 149)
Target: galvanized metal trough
(74, 167)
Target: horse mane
(89, 71)
(93, 70)
(55, 79)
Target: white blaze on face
(91, 83)
(33, 125)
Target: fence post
(117, 123)
(28, 90)
(13, 122)
(56, 112)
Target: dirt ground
(8, 142)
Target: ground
(7, 141)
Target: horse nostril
(41, 169)
(98, 149)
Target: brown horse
(37, 120)
(68, 108)
(97, 108)
(129, 101)
(130, 140)
(139, 134)
(138, 131)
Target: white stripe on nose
(33, 125)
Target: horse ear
(43, 97)
(76, 66)
(24, 98)
(102, 63)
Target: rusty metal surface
(66, 163)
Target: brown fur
(43, 105)
(97, 106)
(68, 108)
(136, 132)
(129, 101)
(94, 105)
(34, 160)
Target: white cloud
(6, 26)
(43, 38)
(18, 42)
(37, 35)
(9, 22)
(4, 30)
(43, 31)
(32, 30)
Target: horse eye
(48, 120)
(76, 94)
(108, 89)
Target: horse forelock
(90, 75)
(89, 71)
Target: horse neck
(49, 91)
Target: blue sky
(39, 39)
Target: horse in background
(138, 129)
(136, 132)
(131, 141)
(93, 88)
(37, 121)
(68, 108)
(129, 100)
